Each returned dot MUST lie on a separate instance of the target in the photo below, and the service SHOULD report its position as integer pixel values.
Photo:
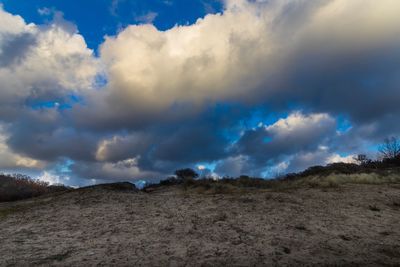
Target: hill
(208, 224)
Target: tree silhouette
(186, 174)
(390, 149)
(361, 159)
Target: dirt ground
(347, 226)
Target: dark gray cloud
(14, 48)
(43, 135)
(362, 83)
(236, 165)
(194, 143)
(127, 170)
(296, 133)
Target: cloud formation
(40, 64)
(188, 95)
(293, 134)
(328, 55)
(11, 160)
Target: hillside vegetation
(383, 171)
(18, 187)
(332, 175)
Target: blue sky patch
(96, 19)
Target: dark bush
(166, 182)
(393, 162)
(186, 174)
(171, 181)
(17, 187)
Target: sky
(130, 90)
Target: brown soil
(349, 225)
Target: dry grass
(332, 181)
(335, 180)
(19, 207)
(216, 188)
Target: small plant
(220, 218)
(300, 227)
(396, 204)
(374, 208)
(345, 237)
(286, 250)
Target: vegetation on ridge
(17, 187)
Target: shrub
(17, 187)
(186, 174)
(171, 181)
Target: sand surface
(350, 225)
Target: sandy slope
(355, 224)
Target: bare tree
(361, 159)
(390, 149)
